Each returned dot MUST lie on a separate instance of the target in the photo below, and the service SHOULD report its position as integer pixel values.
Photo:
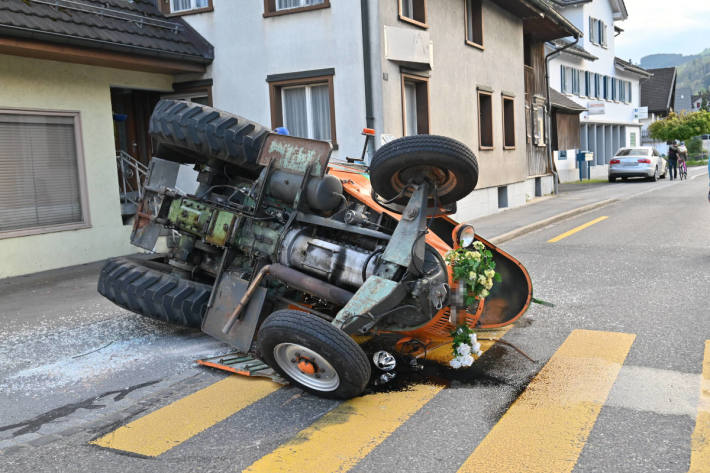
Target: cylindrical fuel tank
(321, 193)
(332, 262)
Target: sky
(664, 26)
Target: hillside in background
(657, 61)
(693, 71)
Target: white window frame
(309, 108)
(81, 171)
(301, 4)
(193, 6)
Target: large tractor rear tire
(148, 288)
(188, 132)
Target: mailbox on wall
(584, 162)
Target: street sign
(596, 108)
(641, 113)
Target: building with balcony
(469, 69)
(589, 73)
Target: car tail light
(645, 161)
(615, 161)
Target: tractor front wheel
(313, 354)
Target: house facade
(590, 74)
(468, 69)
(658, 95)
(77, 85)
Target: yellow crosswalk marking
(348, 433)
(345, 435)
(700, 441)
(546, 428)
(171, 425)
(577, 229)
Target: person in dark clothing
(673, 161)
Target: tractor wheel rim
(292, 358)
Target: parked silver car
(639, 161)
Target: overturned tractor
(291, 258)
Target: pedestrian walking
(673, 160)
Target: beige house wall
(458, 70)
(36, 84)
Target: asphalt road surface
(615, 385)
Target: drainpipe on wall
(367, 64)
(550, 163)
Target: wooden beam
(94, 57)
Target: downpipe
(548, 118)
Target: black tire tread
(422, 148)
(187, 132)
(293, 321)
(424, 143)
(147, 291)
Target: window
(588, 84)
(415, 105)
(570, 80)
(190, 6)
(474, 23)
(597, 86)
(607, 88)
(539, 125)
(575, 81)
(413, 11)
(593, 30)
(508, 123)
(614, 89)
(485, 120)
(597, 32)
(41, 173)
(304, 105)
(283, 7)
(198, 91)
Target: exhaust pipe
(296, 280)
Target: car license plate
(628, 165)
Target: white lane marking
(655, 390)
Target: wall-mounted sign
(595, 108)
(641, 113)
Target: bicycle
(682, 170)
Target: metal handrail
(129, 168)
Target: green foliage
(695, 74)
(475, 268)
(695, 146)
(681, 127)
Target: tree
(695, 146)
(681, 127)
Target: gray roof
(574, 50)
(629, 67)
(658, 92)
(560, 102)
(132, 27)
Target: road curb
(550, 220)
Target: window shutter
(563, 85)
(591, 29)
(603, 36)
(39, 173)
